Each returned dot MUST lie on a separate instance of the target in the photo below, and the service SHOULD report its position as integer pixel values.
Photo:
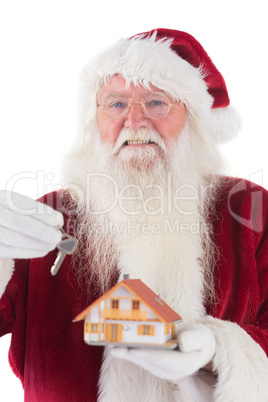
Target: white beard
(166, 244)
(132, 224)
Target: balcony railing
(116, 314)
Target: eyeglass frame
(141, 103)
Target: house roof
(143, 292)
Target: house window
(94, 327)
(135, 304)
(146, 330)
(115, 304)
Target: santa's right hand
(28, 228)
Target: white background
(45, 43)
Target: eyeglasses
(156, 106)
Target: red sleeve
(13, 301)
(259, 331)
(241, 236)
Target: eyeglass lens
(155, 106)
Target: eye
(155, 103)
(118, 105)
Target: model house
(131, 314)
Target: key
(66, 246)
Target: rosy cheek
(165, 130)
(109, 129)
(172, 126)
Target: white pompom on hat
(176, 63)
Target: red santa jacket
(47, 350)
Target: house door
(114, 332)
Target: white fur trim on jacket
(6, 271)
(241, 364)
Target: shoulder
(243, 202)
(230, 186)
(233, 190)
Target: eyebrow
(145, 95)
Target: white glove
(28, 229)
(196, 348)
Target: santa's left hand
(196, 345)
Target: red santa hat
(173, 61)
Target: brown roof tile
(136, 286)
(157, 305)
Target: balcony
(116, 314)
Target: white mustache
(140, 135)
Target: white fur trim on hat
(226, 123)
(148, 61)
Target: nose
(136, 118)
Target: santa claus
(145, 195)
